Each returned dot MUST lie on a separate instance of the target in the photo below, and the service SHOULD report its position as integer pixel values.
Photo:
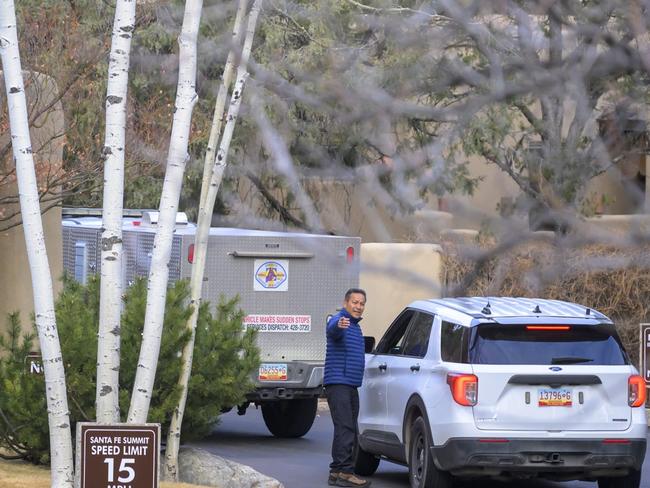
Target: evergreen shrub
(224, 358)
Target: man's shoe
(349, 479)
(333, 478)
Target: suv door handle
(382, 367)
(415, 367)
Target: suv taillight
(464, 388)
(636, 393)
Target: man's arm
(333, 329)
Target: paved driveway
(303, 463)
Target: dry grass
(614, 281)
(19, 474)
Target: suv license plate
(554, 397)
(273, 372)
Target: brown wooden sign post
(118, 456)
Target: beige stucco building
(47, 144)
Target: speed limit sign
(118, 456)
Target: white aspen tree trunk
(177, 157)
(213, 175)
(217, 116)
(62, 466)
(110, 302)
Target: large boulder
(199, 467)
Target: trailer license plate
(273, 372)
(555, 397)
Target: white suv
(504, 388)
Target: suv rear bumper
(551, 458)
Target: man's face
(355, 305)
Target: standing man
(344, 363)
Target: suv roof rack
(477, 308)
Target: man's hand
(343, 323)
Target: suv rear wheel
(365, 463)
(632, 480)
(422, 471)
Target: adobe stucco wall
(47, 145)
(393, 275)
(470, 211)
(15, 285)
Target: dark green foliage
(166, 391)
(222, 366)
(224, 358)
(77, 317)
(23, 426)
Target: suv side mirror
(368, 343)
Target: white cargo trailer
(287, 283)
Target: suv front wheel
(422, 471)
(632, 480)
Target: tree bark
(108, 343)
(217, 117)
(55, 389)
(213, 173)
(177, 157)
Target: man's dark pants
(343, 401)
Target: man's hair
(355, 290)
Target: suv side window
(393, 340)
(453, 339)
(417, 339)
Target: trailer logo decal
(271, 275)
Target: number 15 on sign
(126, 473)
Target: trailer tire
(290, 418)
(632, 480)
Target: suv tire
(632, 480)
(365, 463)
(422, 471)
(290, 418)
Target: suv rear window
(522, 344)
